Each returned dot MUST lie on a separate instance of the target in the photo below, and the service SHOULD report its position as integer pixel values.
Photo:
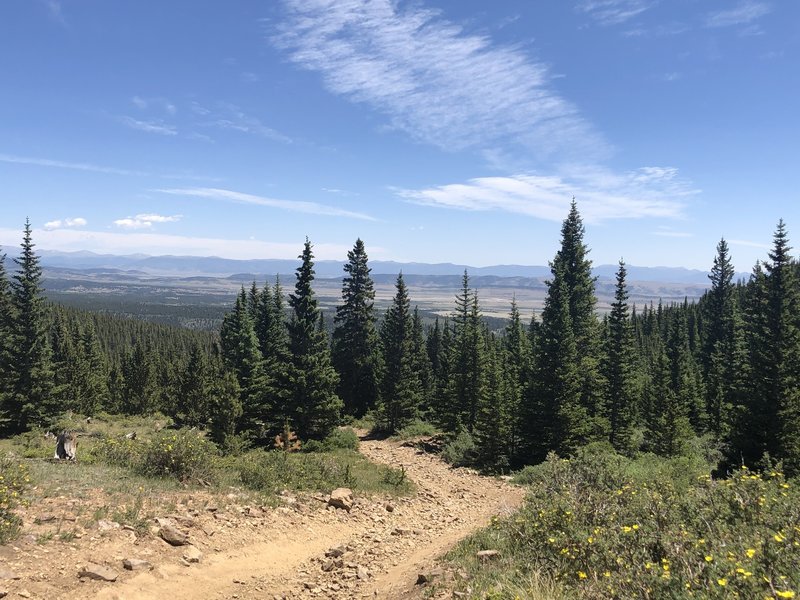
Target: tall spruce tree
(32, 401)
(466, 376)
(401, 391)
(6, 347)
(620, 369)
(783, 372)
(421, 363)
(241, 355)
(313, 402)
(517, 371)
(355, 350)
(558, 417)
(721, 344)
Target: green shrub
(604, 526)
(276, 470)
(461, 450)
(182, 454)
(417, 428)
(13, 481)
(118, 452)
(339, 439)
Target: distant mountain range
(213, 266)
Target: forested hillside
(720, 373)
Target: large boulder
(99, 572)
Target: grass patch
(604, 526)
(14, 479)
(417, 428)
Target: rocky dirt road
(303, 549)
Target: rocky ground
(212, 547)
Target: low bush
(417, 428)
(182, 454)
(13, 481)
(461, 450)
(276, 470)
(603, 526)
(339, 439)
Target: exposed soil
(376, 550)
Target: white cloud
(672, 234)
(744, 13)
(132, 243)
(613, 12)
(601, 194)
(60, 223)
(145, 221)
(433, 80)
(158, 127)
(290, 205)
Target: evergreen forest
(720, 374)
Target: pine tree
(466, 376)
(667, 416)
(355, 339)
(241, 355)
(517, 371)
(138, 382)
(493, 421)
(194, 398)
(684, 375)
(226, 407)
(783, 375)
(721, 342)
(620, 370)
(6, 348)
(313, 402)
(559, 418)
(421, 363)
(32, 401)
(401, 391)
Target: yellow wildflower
(786, 594)
(709, 558)
(750, 552)
(581, 575)
(722, 581)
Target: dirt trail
(253, 553)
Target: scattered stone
(8, 574)
(341, 498)
(173, 536)
(45, 518)
(99, 572)
(192, 554)
(362, 573)
(389, 507)
(335, 552)
(3, 593)
(212, 508)
(24, 593)
(136, 564)
(104, 525)
(429, 576)
(487, 555)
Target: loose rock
(173, 536)
(341, 498)
(487, 555)
(99, 572)
(136, 564)
(192, 554)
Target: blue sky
(435, 130)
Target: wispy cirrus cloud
(158, 127)
(234, 118)
(145, 220)
(602, 194)
(432, 79)
(64, 223)
(82, 166)
(312, 208)
(748, 244)
(744, 13)
(162, 104)
(664, 231)
(614, 12)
